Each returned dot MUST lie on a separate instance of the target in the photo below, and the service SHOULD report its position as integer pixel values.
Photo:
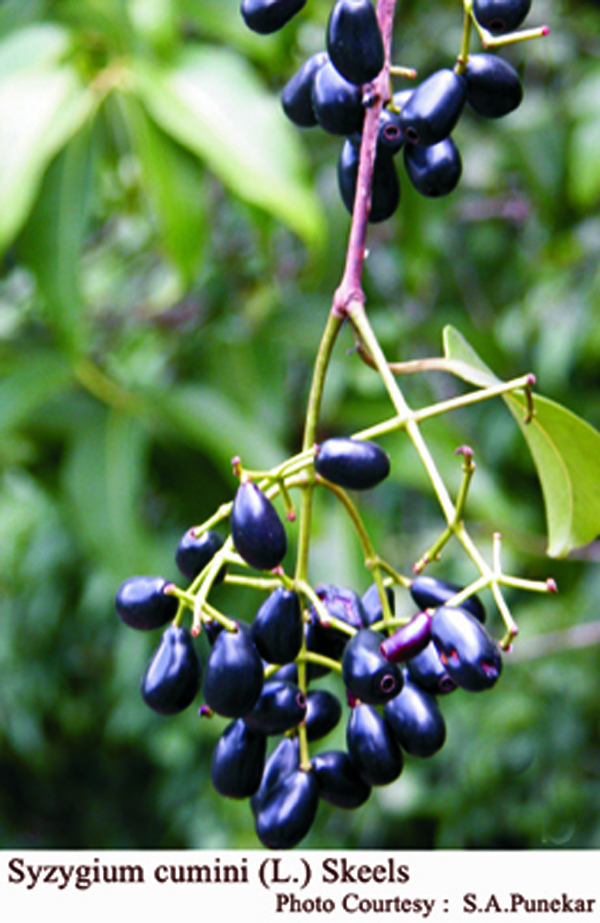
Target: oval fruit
(337, 103)
(172, 678)
(234, 674)
(470, 656)
(288, 810)
(429, 673)
(267, 16)
(281, 707)
(435, 170)
(277, 629)
(238, 761)
(416, 720)
(385, 187)
(429, 593)
(433, 108)
(354, 41)
(142, 603)
(493, 86)
(194, 552)
(296, 97)
(366, 673)
(284, 759)
(372, 604)
(339, 781)
(257, 531)
(409, 640)
(323, 713)
(373, 747)
(501, 16)
(352, 463)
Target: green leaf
(213, 104)
(173, 183)
(216, 425)
(463, 361)
(30, 380)
(566, 452)
(42, 104)
(53, 238)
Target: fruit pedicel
(392, 670)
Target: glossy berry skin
(142, 603)
(416, 720)
(195, 552)
(433, 108)
(343, 604)
(288, 810)
(409, 640)
(354, 42)
(389, 132)
(281, 707)
(385, 187)
(493, 86)
(296, 97)
(323, 713)
(258, 533)
(428, 672)
(501, 16)
(429, 593)
(471, 657)
(238, 761)
(372, 604)
(352, 463)
(373, 747)
(234, 674)
(337, 103)
(284, 760)
(277, 629)
(267, 16)
(366, 674)
(172, 678)
(435, 170)
(339, 782)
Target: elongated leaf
(463, 361)
(565, 449)
(212, 103)
(30, 381)
(40, 109)
(54, 236)
(216, 425)
(173, 183)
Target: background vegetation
(170, 248)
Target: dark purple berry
(433, 108)
(470, 655)
(385, 187)
(258, 533)
(352, 463)
(195, 552)
(172, 678)
(142, 603)
(238, 761)
(234, 674)
(267, 16)
(342, 604)
(434, 171)
(493, 86)
(354, 40)
(366, 674)
(501, 16)
(323, 713)
(416, 720)
(408, 640)
(277, 629)
(337, 103)
(288, 810)
(281, 707)
(429, 673)
(389, 133)
(340, 783)
(296, 98)
(371, 601)
(284, 760)
(429, 593)
(373, 747)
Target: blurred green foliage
(170, 247)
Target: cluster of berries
(260, 676)
(331, 90)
